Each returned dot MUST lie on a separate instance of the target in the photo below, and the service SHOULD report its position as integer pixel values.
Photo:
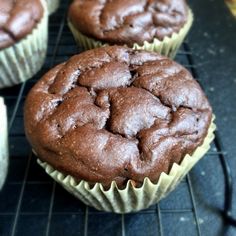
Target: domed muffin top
(115, 113)
(128, 21)
(17, 19)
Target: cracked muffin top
(114, 113)
(17, 19)
(128, 21)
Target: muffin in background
(3, 143)
(159, 26)
(118, 128)
(232, 6)
(23, 39)
(53, 5)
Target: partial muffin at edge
(128, 22)
(17, 19)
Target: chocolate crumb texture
(116, 114)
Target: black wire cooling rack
(32, 204)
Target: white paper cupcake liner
(3, 142)
(53, 5)
(167, 47)
(25, 58)
(131, 198)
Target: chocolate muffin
(23, 39)
(140, 24)
(17, 19)
(116, 114)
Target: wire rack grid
(32, 204)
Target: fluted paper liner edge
(53, 5)
(131, 198)
(4, 153)
(25, 58)
(167, 47)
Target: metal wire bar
(16, 106)
(194, 205)
(20, 197)
(228, 201)
(53, 58)
(228, 204)
(50, 209)
(159, 219)
(86, 221)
